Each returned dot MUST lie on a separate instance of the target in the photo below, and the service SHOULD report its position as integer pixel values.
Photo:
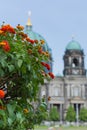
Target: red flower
(32, 41)
(23, 35)
(46, 65)
(2, 94)
(43, 63)
(51, 75)
(8, 28)
(6, 47)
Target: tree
(54, 115)
(70, 115)
(83, 114)
(22, 62)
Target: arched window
(75, 62)
(57, 91)
(76, 91)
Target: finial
(29, 21)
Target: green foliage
(83, 114)
(11, 116)
(54, 115)
(21, 71)
(41, 113)
(70, 115)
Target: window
(75, 62)
(57, 91)
(43, 93)
(76, 91)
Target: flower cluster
(7, 28)
(5, 45)
(40, 50)
(48, 67)
(51, 75)
(2, 94)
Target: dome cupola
(73, 45)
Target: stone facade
(70, 89)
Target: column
(61, 113)
(77, 114)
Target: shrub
(70, 115)
(22, 62)
(83, 114)
(54, 115)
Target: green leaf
(11, 68)
(11, 109)
(20, 63)
(1, 102)
(2, 113)
(23, 69)
(10, 121)
(19, 116)
(1, 72)
(1, 123)
(3, 63)
(18, 55)
(29, 67)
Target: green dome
(35, 36)
(73, 45)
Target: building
(70, 89)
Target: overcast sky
(55, 20)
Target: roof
(73, 45)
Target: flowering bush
(21, 71)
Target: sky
(55, 20)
